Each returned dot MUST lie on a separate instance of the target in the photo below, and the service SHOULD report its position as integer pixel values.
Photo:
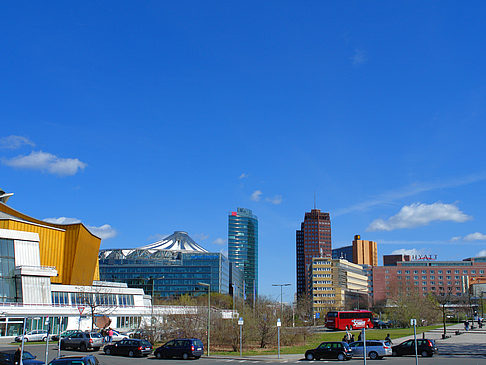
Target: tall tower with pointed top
(312, 240)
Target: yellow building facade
(365, 252)
(332, 279)
(71, 248)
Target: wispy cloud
(243, 176)
(419, 214)
(201, 236)
(256, 195)
(104, 231)
(481, 253)
(407, 251)
(391, 196)
(219, 241)
(276, 200)
(15, 142)
(359, 57)
(47, 162)
(157, 237)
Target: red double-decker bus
(344, 320)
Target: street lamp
(281, 286)
(209, 311)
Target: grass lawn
(315, 340)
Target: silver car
(83, 341)
(36, 335)
(374, 348)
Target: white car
(36, 335)
(117, 336)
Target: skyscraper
(312, 240)
(243, 248)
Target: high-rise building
(312, 240)
(243, 248)
(364, 252)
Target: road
(39, 351)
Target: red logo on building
(233, 213)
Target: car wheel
(309, 356)
(44, 339)
(131, 353)
(425, 354)
(341, 357)
(158, 355)
(373, 355)
(185, 356)
(108, 351)
(83, 347)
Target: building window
(399, 271)
(8, 288)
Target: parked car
(63, 334)
(181, 347)
(82, 341)
(375, 349)
(7, 358)
(425, 347)
(330, 350)
(35, 335)
(378, 323)
(131, 347)
(118, 336)
(75, 360)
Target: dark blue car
(7, 358)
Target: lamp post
(153, 300)
(281, 305)
(209, 311)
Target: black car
(425, 348)
(131, 347)
(330, 350)
(7, 358)
(181, 347)
(75, 360)
(378, 323)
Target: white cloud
(243, 176)
(256, 195)
(481, 253)
(14, 142)
(38, 160)
(104, 232)
(157, 237)
(456, 238)
(219, 241)
(201, 236)
(389, 197)
(277, 199)
(359, 57)
(419, 214)
(405, 251)
(476, 236)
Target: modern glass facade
(8, 292)
(243, 247)
(166, 273)
(345, 253)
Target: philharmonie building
(50, 276)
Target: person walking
(359, 337)
(110, 335)
(17, 356)
(388, 339)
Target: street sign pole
(240, 323)
(278, 335)
(414, 323)
(48, 323)
(23, 339)
(364, 346)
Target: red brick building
(312, 240)
(428, 277)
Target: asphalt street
(39, 351)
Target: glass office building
(168, 268)
(243, 248)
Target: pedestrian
(110, 334)
(480, 322)
(345, 339)
(388, 339)
(359, 337)
(466, 325)
(352, 337)
(17, 354)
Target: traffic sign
(413, 322)
(279, 324)
(240, 321)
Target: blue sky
(142, 118)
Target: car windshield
(146, 343)
(28, 356)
